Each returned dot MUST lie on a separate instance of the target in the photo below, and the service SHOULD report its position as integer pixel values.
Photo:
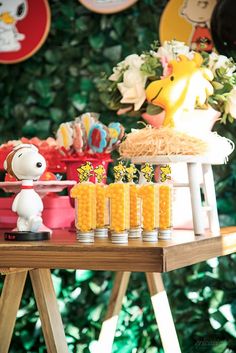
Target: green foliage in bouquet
(54, 86)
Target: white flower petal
(230, 107)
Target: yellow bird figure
(130, 172)
(100, 173)
(85, 171)
(147, 171)
(119, 171)
(165, 173)
(187, 85)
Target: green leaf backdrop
(55, 85)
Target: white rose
(171, 49)
(217, 61)
(230, 107)
(133, 88)
(134, 61)
(117, 71)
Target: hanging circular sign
(188, 21)
(107, 6)
(24, 26)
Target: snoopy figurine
(26, 164)
(11, 11)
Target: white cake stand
(204, 162)
(41, 187)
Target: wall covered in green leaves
(57, 84)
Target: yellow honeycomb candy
(119, 206)
(101, 205)
(85, 197)
(150, 206)
(135, 207)
(165, 205)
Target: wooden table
(64, 251)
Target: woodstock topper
(187, 85)
(27, 165)
(85, 172)
(119, 172)
(131, 172)
(148, 171)
(100, 173)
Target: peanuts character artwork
(147, 170)
(131, 173)
(100, 173)
(85, 172)
(11, 11)
(25, 163)
(119, 172)
(165, 173)
(198, 13)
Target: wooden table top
(64, 251)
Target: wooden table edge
(182, 255)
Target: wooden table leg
(48, 310)
(210, 197)
(162, 312)
(195, 192)
(108, 329)
(9, 305)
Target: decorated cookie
(98, 138)
(65, 135)
(88, 120)
(116, 132)
(78, 137)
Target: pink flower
(167, 69)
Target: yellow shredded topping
(163, 141)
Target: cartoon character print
(100, 173)
(165, 173)
(131, 172)
(198, 13)
(11, 11)
(147, 170)
(85, 171)
(119, 172)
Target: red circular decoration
(24, 26)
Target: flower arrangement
(124, 89)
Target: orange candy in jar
(84, 194)
(165, 202)
(150, 205)
(135, 203)
(119, 196)
(101, 230)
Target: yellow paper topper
(119, 172)
(130, 172)
(165, 172)
(147, 171)
(84, 171)
(100, 173)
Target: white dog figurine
(11, 11)
(26, 164)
